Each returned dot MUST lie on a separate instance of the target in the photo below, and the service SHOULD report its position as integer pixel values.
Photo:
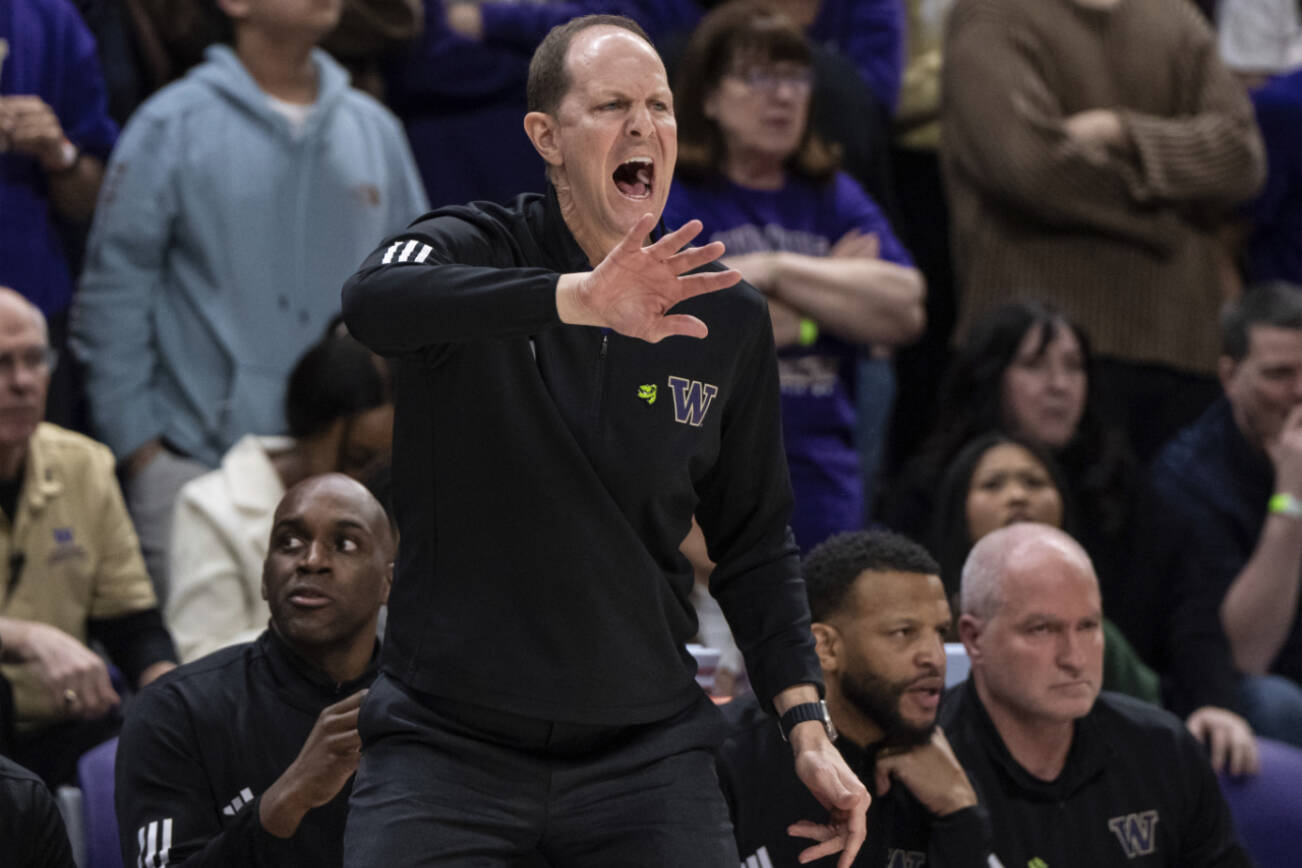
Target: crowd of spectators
(1024, 260)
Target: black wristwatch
(803, 712)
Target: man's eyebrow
(289, 524)
(354, 523)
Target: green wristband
(808, 332)
(1285, 504)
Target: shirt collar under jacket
(1088, 757)
(303, 685)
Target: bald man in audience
(1071, 776)
(246, 757)
(74, 570)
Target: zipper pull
(605, 339)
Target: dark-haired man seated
(244, 757)
(1071, 777)
(880, 615)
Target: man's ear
(827, 643)
(1226, 367)
(969, 633)
(542, 130)
(388, 584)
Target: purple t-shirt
(818, 407)
(49, 53)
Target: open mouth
(635, 178)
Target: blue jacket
(218, 248)
(51, 55)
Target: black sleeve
(447, 278)
(164, 799)
(1194, 556)
(31, 829)
(135, 641)
(744, 511)
(1207, 839)
(961, 839)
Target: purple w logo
(1136, 832)
(691, 400)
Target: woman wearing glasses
(837, 281)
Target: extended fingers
(710, 281)
(678, 324)
(833, 843)
(638, 232)
(672, 242)
(695, 257)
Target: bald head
(328, 570)
(1019, 547)
(15, 308)
(344, 496)
(1032, 624)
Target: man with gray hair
(1071, 776)
(1226, 537)
(74, 568)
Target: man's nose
(639, 122)
(931, 656)
(1072, 651)
(316, 557)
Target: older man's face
(24, 371)
(1040, 657)
(616, 136)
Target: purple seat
(1267, 807)
(95, 777)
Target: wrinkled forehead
(598, 54)
(1056, 583)
(331, 501)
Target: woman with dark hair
(339, 404)
(807, 236)
(1025, 369)
(997, 480)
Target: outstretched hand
(634, 287)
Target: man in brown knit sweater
(1092, 150)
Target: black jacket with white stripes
(203, 743)
(544, 476)
(765, 797)
(1136, 791)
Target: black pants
(447, 784)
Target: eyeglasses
(770, 78)
(34, 359)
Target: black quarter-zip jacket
(545, 475)
(203, 743)
(1136, 791)
(765, 797)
